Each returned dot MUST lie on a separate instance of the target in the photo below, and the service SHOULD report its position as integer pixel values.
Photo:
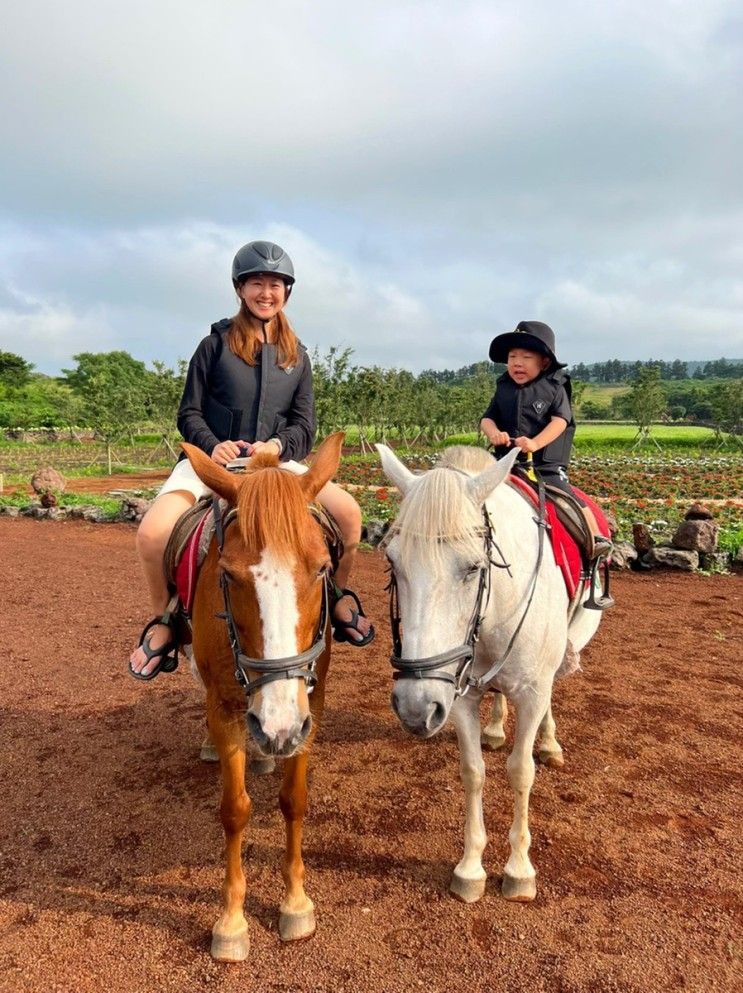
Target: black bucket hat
(532, 335)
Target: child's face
(523, 365)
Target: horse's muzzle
(279, 743)
(421, 714)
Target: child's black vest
(526, 410)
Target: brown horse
(261, 643)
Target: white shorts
(183, 477)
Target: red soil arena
(111, 846)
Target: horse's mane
(437, 512)
(272, 509)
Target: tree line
(613, 371)
(616, 371)
(119, 396)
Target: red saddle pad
(187, 570)
(565, 549)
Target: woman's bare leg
(152, 538)
(347, 514)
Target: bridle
(301, 666)
(432, 667)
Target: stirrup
(605, 599)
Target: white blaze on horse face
(276, 594)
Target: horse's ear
(480, 487)
(324, 465)
(394, 469)
(225, 484)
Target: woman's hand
(526, 444)
(226, 451)
(270, 446)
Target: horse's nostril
(306, 728)
(256, 730)
(436, 716)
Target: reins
(301, 666)
(432, 667)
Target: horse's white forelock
(437, 512)
(467, 457)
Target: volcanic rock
(48, 480)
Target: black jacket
(227, 399)
(526, 410)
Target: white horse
(481, 606)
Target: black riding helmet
(531, 335)
(258, 257)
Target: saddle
(188, 546)
(572, 542)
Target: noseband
(300, 666)
(432, 667)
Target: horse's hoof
(208, 752)
(294, 927)
(519, 890)
(231, 947)
(553, 760)
(466, 890)
(261, 765)
(492, 742)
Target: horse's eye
(471, 571)
(323, 570)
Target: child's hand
(526, 444)
(500, 438)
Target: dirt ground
(111, 847)
(101, 485)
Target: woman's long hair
(243, 339)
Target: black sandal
(339, 626)
(168, 662)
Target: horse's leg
(550, 752)
(208, 751)
(469, 878)
(297, 912)
(230, 939)
(519, 875)
(493, 734)
(260, 765)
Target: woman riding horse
(248, 390)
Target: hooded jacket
(227, 399)
(526, 410)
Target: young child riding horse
(531, 409)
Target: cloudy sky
(438, 171)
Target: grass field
(645, 484)
(19, 459)
(600, 436)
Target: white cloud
(438, 172)
(163, 287)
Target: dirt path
(110, 845)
